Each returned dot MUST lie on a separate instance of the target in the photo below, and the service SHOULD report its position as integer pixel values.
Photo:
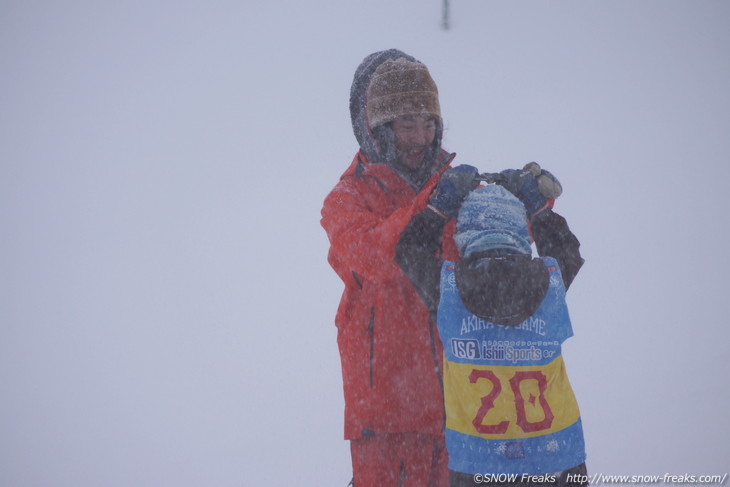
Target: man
(390, 352)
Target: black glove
(536, 188)
(455, 184)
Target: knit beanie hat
(492, 218)
(401, 88)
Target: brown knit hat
(401, 88)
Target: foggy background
(166, 308)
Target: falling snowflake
(552, 446)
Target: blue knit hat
(492, 218)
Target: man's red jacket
(390, 351)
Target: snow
(167, 310)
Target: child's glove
(536, 188)
(455, 184)
(548, 184)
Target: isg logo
(468, 349)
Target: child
(502, 318)
(511, 416)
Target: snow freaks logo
(503, 478)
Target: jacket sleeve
(418, 255)
(553, 238)
(361, 239)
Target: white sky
(166, 309)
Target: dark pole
(445, 15)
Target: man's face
(413, 135)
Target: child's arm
(553, 238)
(417, 254)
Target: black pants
(574, 477)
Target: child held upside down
(511, 415)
